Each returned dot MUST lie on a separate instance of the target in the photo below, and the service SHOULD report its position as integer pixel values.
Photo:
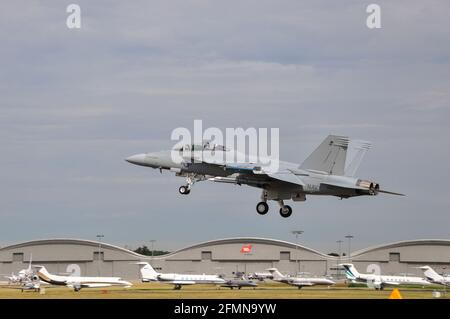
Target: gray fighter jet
(329, 170)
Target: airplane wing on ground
(88, 285)
(392, 283)
(182, 282)
(301, 284)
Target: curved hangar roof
(226, 249)
(222, 249)
(230, 249)
(66, 249)
(437, 250)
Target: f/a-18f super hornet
(329, 170)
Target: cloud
(75, 103)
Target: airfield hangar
(223, 256)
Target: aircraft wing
(89, 285)
(176, 282)
(301, 284)
(338, 185)
(286, 176)
(392, 283)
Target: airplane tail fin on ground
(275, 273)
(430, 273)
(329, 157)
(147, 271)
(43, 274)
(350, 271)
(29, 265)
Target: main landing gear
(285, 210)
(262, 208)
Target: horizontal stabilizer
(391, 193)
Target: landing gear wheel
(262, 208)
(184, 190)
(286, 211)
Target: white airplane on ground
(76, 283)
(434, 277)
(380, 281)
(299, 281)
(261, 276)
(34, 285)
(23, 275)
(178, 280)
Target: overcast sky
(75, 103)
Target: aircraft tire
(287, 213)
(184, 190)
(262, 208)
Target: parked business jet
(261, 276)
(239, 283)
(149, 274)
(299, 281)
(380, 281)
(23, 275)
(76, 282)
(434, 277)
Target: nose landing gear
(184, 190)
(190, 180)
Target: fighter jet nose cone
(138, 159)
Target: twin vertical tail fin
(329, 157)
(337, 155)
(357, 149)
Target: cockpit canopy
(205, 147)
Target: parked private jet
(299, 281)
(380, 281)
(178, 280)
(434, 277)
(76, 282)
(23, 275)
